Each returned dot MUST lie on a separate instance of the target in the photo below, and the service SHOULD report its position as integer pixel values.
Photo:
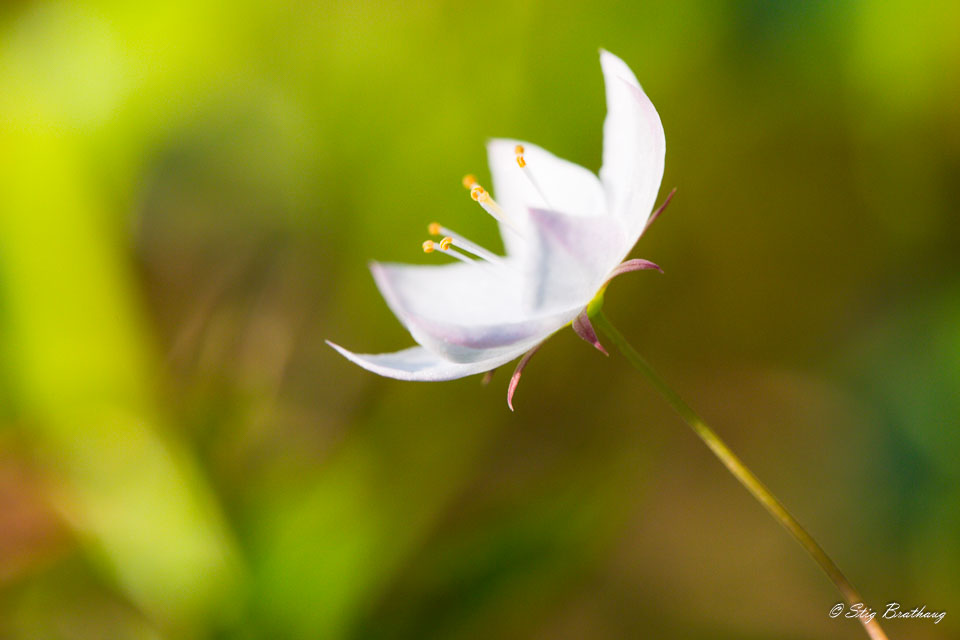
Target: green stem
(740, 472)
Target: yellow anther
(477, 192)
(428, 246)
(445, 243)
(469, 181)
(520, 159)
(434, 228)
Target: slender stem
(740, 472)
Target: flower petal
(419, 364)
(633, 146)
(569, 258)
(459, 343)
(456, 293)
(464, 313)
(583, 328)
(546, 182)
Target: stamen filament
(482, 196)
(522, 163)
(444, 245)
(459, 241)
(459, 256)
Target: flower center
(452, 241)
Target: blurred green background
(189, 195)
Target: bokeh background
(190, 192)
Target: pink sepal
(515, 378)
(659, 210)
(637, 264)
(583, 328)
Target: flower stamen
(458, 240)
(482, 196)
(520, 159)
(522, 163)
(445, 245)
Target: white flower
(565, 232)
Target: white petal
(464, 313)
(569, 258)
(417, 363)
(633, 146)
(463, 343)
(547, 182)
(456, 293)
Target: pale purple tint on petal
(470, 344)
(569, 258)
(583, 328)
(492, 336)
(462, 312)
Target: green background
(189, 195)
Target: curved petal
(463, 313)
(633, 146)
(459, 343)
(419, 364)
(569, 258)
(546, 182)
